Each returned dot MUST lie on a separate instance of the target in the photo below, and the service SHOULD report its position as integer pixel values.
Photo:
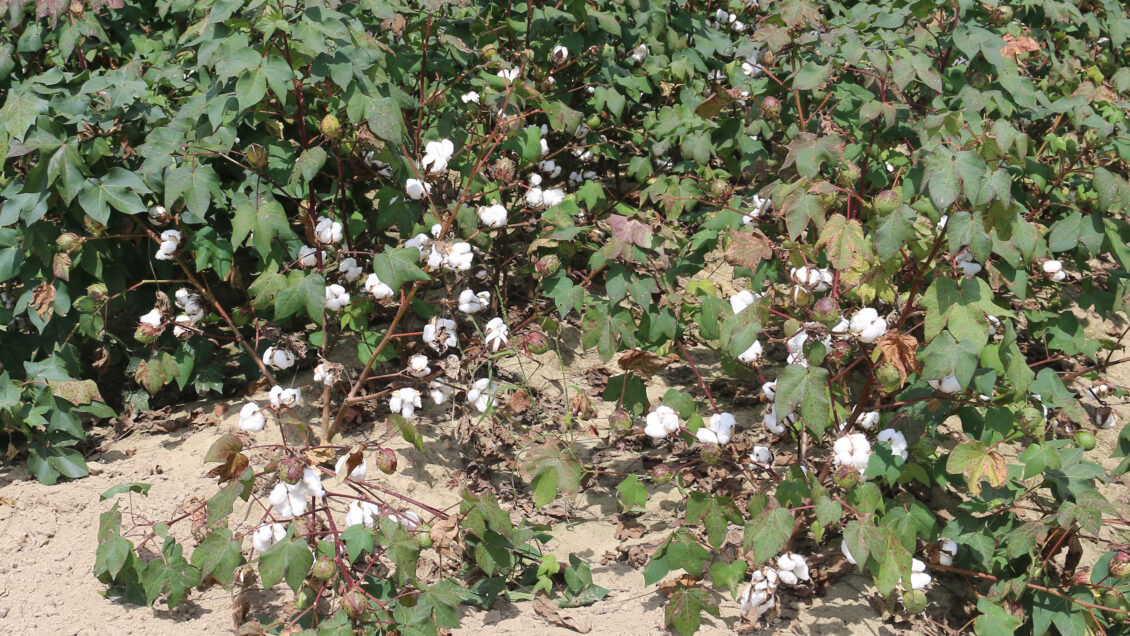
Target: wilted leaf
(900, 350)
(43, 300)
(548, 610)
(974, 460)
(747, 249)
(226, 450)
(1017, 46)
(644, 363)
(629, 230)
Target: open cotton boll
(336, 297)
(439, 334)
(357, 474)
(760, 206)
(757, 601)
(966, 265)
(376, 288)
(718, 430)
(349, 269)
(405, 401)
(868, 420)
(182, 322)
(661, 422)
(284, 398)
(493, 216)
(251, 418)
(994, 324)
(1054, 270)
(418, 366)
(279, 358)
(459, 257)
(811, 278)
(753, 354)
(761, 455)
(552, 197)
(550, 168)
(266, 536)
(436, 155)
(361, 513)
(153, 318)
(327, 374)
(919, 579)
(408, 519)
(847, 554)
(439, 392)
(170, 243)
(288, 501)
(948, 384)
(791, 568)
(559, 54)
(470, 302)
(416, 189)
(947, 551)
(470, 97)
(328, 231)
(743, 299)
(853, 451)
(638, 54)
(481, 394)
(308, 256)
(896, 439)
(509, 74)
(867, 325)
(769, 390)
(773, 423)
(312, 482)
(1108, 419)
(496, 333)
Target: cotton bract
(251, 418)
(661, 422)
(718, 430)
(405, 401)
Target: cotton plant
(661, 422)
(718, 430)
(252, 418)
(495, 334)
(327, 231)
(170, 243)
(405, 401)
(471, 302)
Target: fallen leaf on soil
(322, 455)
(629, 529)
(582, 407)
(519, 402)
(547, 610)
(443, 536)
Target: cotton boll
(418, 366)
(966, 266)
(853, 451)
(1107, 418)
(312, 482)
(994, 325)
(470, 97)
(439, 334)
(638, 54)
(328, 374)
(761, 455)
(376, 288)
(460, 257)
(182, 322)
(470, 302)
(288, 501)
(769, 390)
(493, 216)
(266, 536)
(362, 513)
(153, 318)
(552, 197)
(757, 602)
(946, 552)
(408, 519)
(405, 402)
(718, 430)
(550, 168)
(896, 440)
(753, 354)
(509, 74)
(496, 334)
(357, 474)
(328, 231)
(251, 418)
(661, 422)
(284, 398)
(436, 156)
(439, 392)
(786, 577)
(743, 299)
(949, 384)
(919, 579)
(868, 420)
(416, 189)
(279, 358)
(336, 297)
(481, 394)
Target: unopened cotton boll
(897, 441)
(436, 155)
(470, 97)
(493, 216)
(284, 398)
(481, 394)
(308, 256)
(470, 302)
(761, 455)
(405, 402)
(948, 384)
(661, 422)
(328, 231)
(743, 299)
(357, 474)
(753, 354)
(496, 334)
(718, 430)
(266, 536)
(251, 418)
(416, 189)
(336, 297)
(376, 288)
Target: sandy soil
(48, 539)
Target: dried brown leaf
(519, 402)
(644, 363)
(1017, 46)
(43, 300)
(548, 610)
(630, 230)
(747, 249)
(901, 351)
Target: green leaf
(976, 461)
(263, 216)
(811, 75)
(397, 266)
(137, 487)
(804, 390)
(728, 576)
(995, 619)
(218, 555)
(633, 494)
(554, 470)
(20, 111)
(385, 120)
(768, 533)
(740, 331)
(715, 513)
(358, 539)
(843, 241)
(685, 606)
(303, 291)
(289, 559)
(118, 189)
(308, 164)
(197, 183)
(212, 251)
